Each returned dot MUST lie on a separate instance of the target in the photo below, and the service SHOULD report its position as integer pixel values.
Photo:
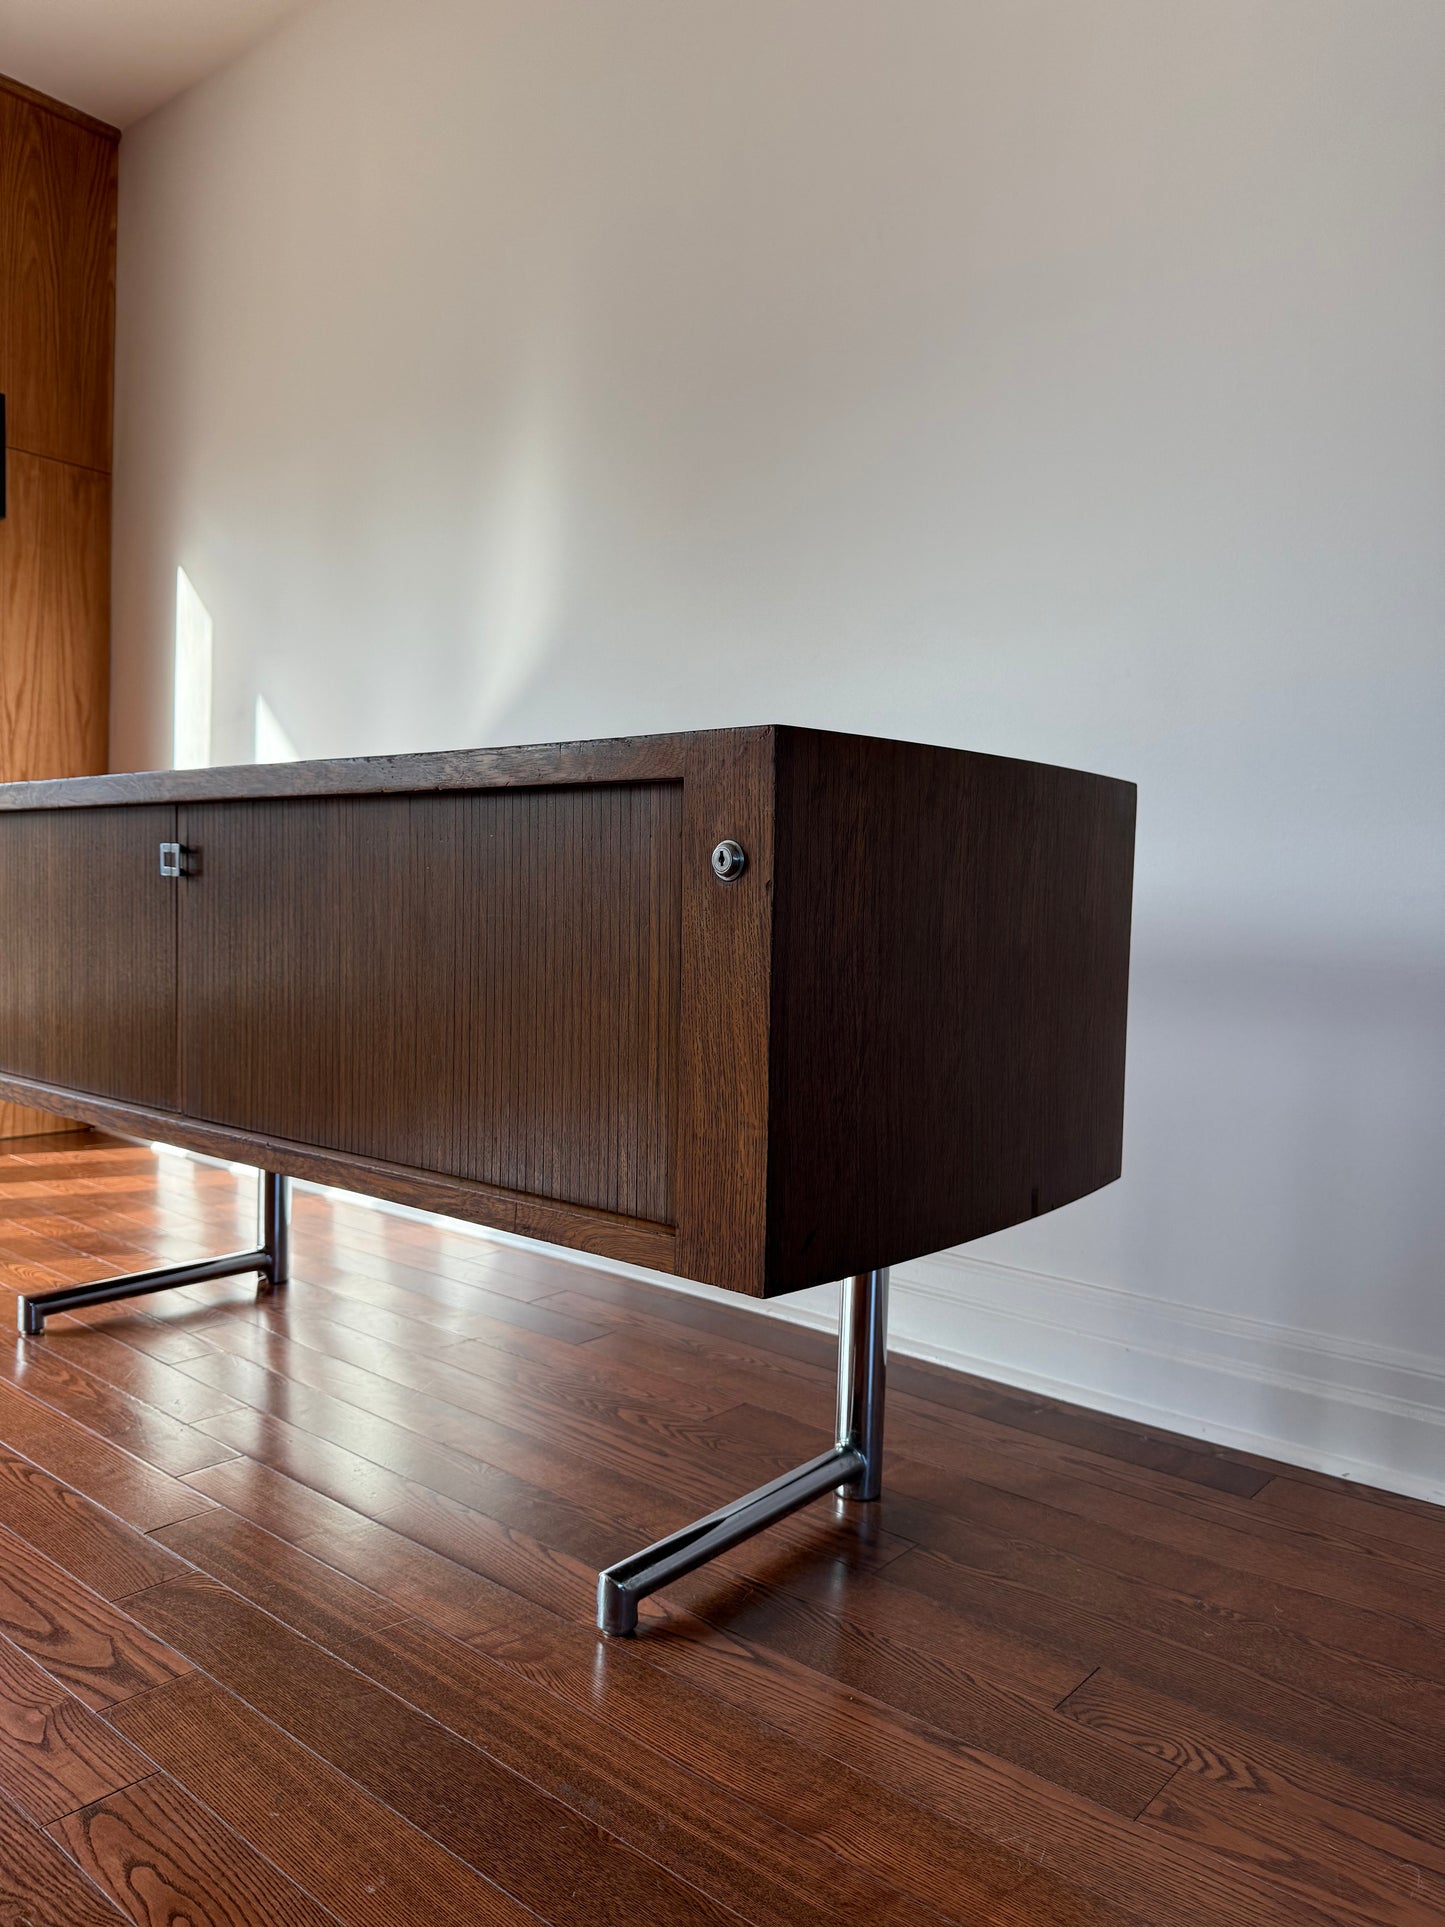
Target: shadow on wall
(1285, 1140)
(1268, 1270)
(273, 743)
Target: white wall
(1057, 377)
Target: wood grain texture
(533, 1003)
(9, 85)
(85, 1642)
(482, 986)
(57, 247)
(726, 962)
(1182, 1458)
(634, 1240)
(314, 1824)
(537, 1850)
(163, 1857)
(57, 273)
(154, 1437)
(1285, 1781)
(135, 1493)
(1258, 1553)
(1153, 1644)
(87, 952)
(55, 1754)
(23, 1121)
(1059, 1677)
(1358, 1521)
(613, 759)
(949, 997)
(80, 1537)
(54, 620)
(41, 1886)
(716, 1838)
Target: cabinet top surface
(612, 759)
(608, 759)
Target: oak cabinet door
(57, 283)
(88, 951)
(54, 620)
(481, 984)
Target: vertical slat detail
(447, 982)
(723, 1035)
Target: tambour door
(483, 984)
(88, 951)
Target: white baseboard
(1363, 1412)
(1358, 1411)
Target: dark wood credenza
(536, 987)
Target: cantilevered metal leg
(275, 1230)
(854, 1467)
(862, 1367)
(272, 1258)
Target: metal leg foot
(854, 1467)
(271, 1258)
(275, 1230)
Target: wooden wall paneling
(88, 952)
(62, 109)
(57, 270)
(54, 635)
(727, 950)
(57, 309)
(949, 997)
(54, 620)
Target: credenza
(761, 1007)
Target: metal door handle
(171, 860)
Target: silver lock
(170, 859)
(729, 860)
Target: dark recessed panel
(88, 951)
(479, 984)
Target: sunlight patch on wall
(523, 537)
(195, 643)
(273, 744)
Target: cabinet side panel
(949, 1000)
(726, 971)
(87, 952)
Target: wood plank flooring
(296, 1615)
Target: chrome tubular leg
(862, 1369)
(275, 1230)
(854, 1467)
(271, 1258)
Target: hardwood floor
(296, 1601)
